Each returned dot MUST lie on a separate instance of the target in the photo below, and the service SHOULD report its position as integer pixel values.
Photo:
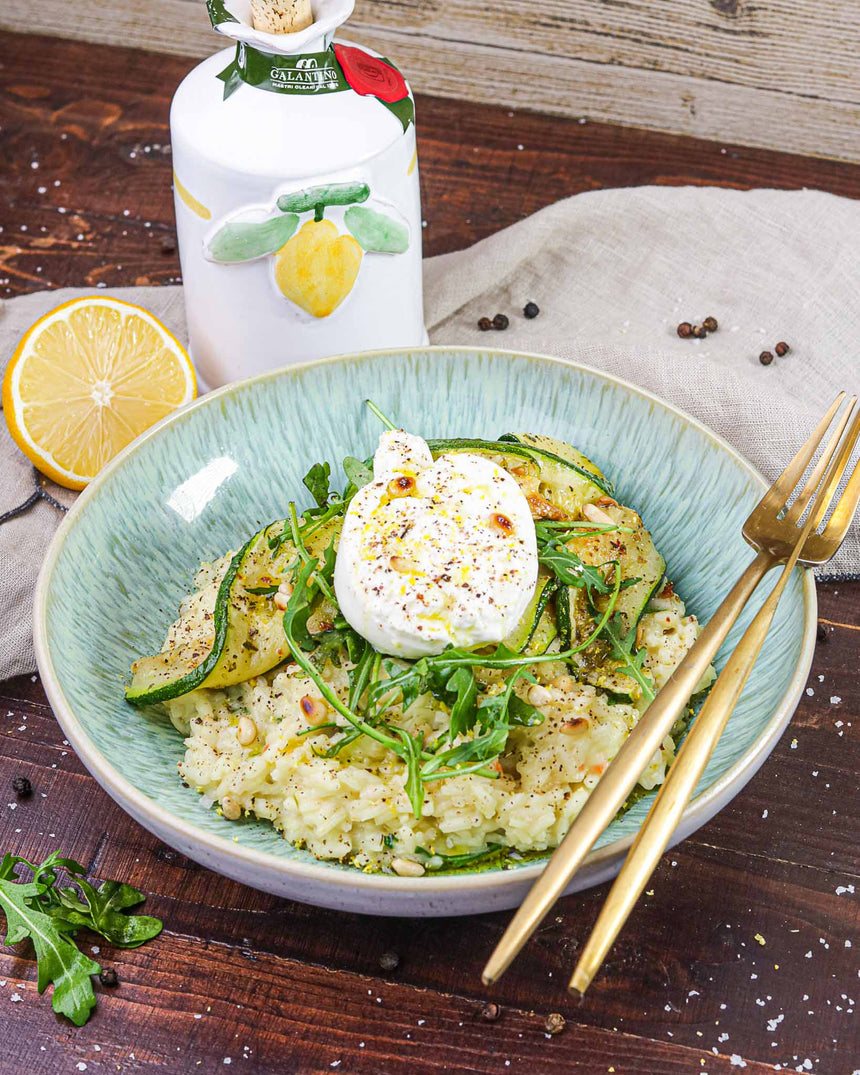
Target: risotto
(384, 761)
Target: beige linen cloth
(613, 273)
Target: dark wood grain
(96, 119)
(282, 987)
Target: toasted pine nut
(597, 515)
(282, 597)
(407, 867)
(501, 524)
(246, 733)
(575, 726)
(564, 683)
(231, 808)
(314, 708)
(401, 486)
(539, 695)
(543, 509)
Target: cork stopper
(281, 16)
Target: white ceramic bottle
(297, 201)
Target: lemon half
(86, 379)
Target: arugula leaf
(622, 648)
(299, 609)
(523, 713)
(358, 473)
(570, 569)
(50, 916)
(102, 912)
(59, 961)
(316, 481)
(480, 749)
(454, 862)
(295, 630)
(412, 745)
(464, 709)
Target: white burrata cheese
(435, 553)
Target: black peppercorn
(782, 348)
(484, 324)
(500, 321)
(389, 961)
(530, 310)
(700, 332)
(108, 976)
(22, 787)
(766, 357)
(685, 330)
(822, 634)
(554, 1023)
(710, 324)
(491, 1011)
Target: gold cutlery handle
(624, 770)
(677, 790)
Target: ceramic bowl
(205, 478)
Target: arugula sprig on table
(50, 916)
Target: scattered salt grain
(737, 1061)
(16, 998)
(835, 699)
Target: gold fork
(774, 538)
(684, 774)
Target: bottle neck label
(337, 69)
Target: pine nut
(539, 695)
(402, 486)
(501, 524)
(283, 595)
(246, 732)
(575, 726)
(597, 515)
(407, 867)
(314, 708)
(231, 808)
(404, 565)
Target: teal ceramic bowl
(204, 479)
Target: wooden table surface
(746, 953)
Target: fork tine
(797, 509)
(831, 481)
(777, 496)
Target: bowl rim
(244, 860)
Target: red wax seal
(370, 76)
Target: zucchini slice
(639, 560)
(560, 449)
(536, 629)
(247, 636)
(565, 483)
